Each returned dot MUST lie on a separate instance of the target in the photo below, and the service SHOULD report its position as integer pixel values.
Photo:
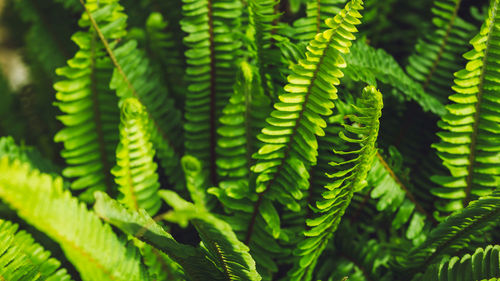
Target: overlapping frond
(349, 178)
(355, 254)
(92, 247)
(160, 266)
(471, 130)
(437, 55)
(211, 57)
(484, 264)
(455, 232)
(242, 118)
(23, 259)
(393, 196)
(90, 108)
(290, 137)
(317, 11)
(135, 172)
(365, 63)
(139, 224)
(135, 78)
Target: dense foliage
(250, 140)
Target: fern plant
(252, 140)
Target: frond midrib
(475, 129)
(224, 264)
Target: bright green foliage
(484, 264)
(350, 178)
(135, 172)
(92, 247)
(370, 65)
(471, 131)
(91, 111)
(290, 136)
(213, 49)
(254, 110)
(456, 231)
(436, 56)
(140, 81)
(317, 12)
(242, 119)
(22, 259)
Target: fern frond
(347, 180)
(242, 118)
(160, 266)
(91, 110)
(23, 259)
(26, 154)
(471, 131)
(455, 232)
(393, 196)
(211, 56)
(437, 55)
(130, 80)
(218, 239)
(484, 264)
(317, 11)
(206, 263)
(264, 16)
(290, 137)
(142, 226)
(135, 172)
(164, 48)
(133, 77)
(91, 246)
(367, 64)
(196, 181)
(355, 254)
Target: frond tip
(351, 177)
(135, 172)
